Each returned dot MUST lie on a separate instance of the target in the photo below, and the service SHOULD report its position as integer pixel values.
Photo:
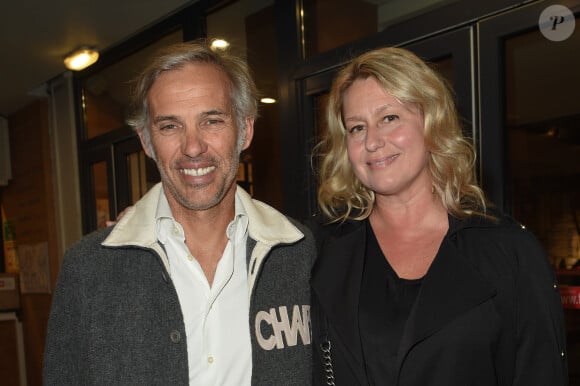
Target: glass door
(530, 135)
(114, 171)
(96, 171)
(116, 174)
(135, 173)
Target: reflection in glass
(245, 176)
(320, 103)
(328, 24)
(106, 93)
(445, 68)
(248, 25)
(142, 174)
(101, 193)
(543, 121)
(136, 175)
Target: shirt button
(175, 336)
(190, 257)
(210, 359)
(176, 230)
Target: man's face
(194, 136)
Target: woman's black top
(385, 304)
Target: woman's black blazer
(488, 313)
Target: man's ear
(249, 132)
(146, 149)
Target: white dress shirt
(216, 317)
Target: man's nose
(193, 142)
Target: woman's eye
(390, 118)
(355, 129)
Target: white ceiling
(35, 35)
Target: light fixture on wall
(81, 58)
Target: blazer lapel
(336, 280)
(451, 287)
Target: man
(197, 283)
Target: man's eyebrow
(205, 114)
(214, 112)
(163, 118)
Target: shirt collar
(237, 229)
(165, 223)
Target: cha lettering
(283, 326)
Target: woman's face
(385, 140)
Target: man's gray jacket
(116, 318)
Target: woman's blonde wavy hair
(410, 80)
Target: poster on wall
(34, 270)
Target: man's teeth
(198, 172)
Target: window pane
(543, 121)
(248, 25)
(106, 93)
(328, 24)
(142, 174)
(101, 193)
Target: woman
(418, 281)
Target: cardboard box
(9, 291)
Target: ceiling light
(219, 44)
(268, 100)
(81, 58)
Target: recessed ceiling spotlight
(81, 58)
